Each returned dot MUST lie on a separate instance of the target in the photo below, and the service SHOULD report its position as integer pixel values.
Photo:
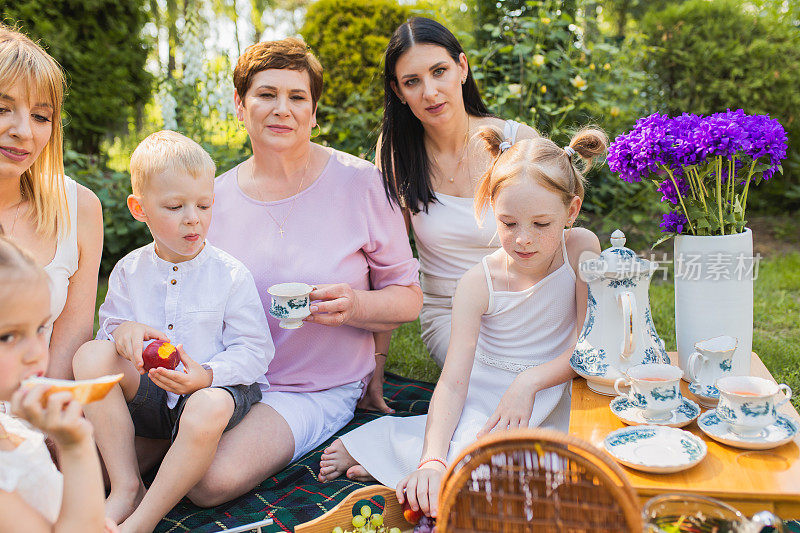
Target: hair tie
(505, 145)
(570, 151)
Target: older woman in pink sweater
(298, 211)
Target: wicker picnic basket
(342, 514)
(536, 480)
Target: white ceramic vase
(714, 294)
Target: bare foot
(359, 473)
(336, 461)
(121, 502)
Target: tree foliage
(349, 38)
(99, 45)
(713, 56)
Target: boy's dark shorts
(152, 418)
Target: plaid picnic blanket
(294, 495)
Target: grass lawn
(776, 332)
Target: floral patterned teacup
(290, 303)
(655, 388)
(747, 403)
(711, 360)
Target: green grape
(359, 521)
(365, 511)
(395, 530)
(376, 520)
(337, 529)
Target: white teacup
(712, 360)
(747, 403)
(655, 388)
(290, 303)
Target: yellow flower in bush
(538, 60)
(591, 66)
(545, 20)
(606, 67)
(614, 111)
(579, 83)
(543, 89)
(515, 89)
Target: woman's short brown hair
(290, 53)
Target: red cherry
(160, 354)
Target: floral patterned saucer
(655, 449)
(707, 395)
(776, 434)
(632, 415)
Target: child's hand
(129, 338)
(62, 418)
(514, 410)
(193, 378)
(421, 488)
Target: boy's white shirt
(213, 307)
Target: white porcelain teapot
(618, 332)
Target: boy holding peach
(179, 290)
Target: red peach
(411, 516)
(160, 354)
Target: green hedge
(349, 38)
(710, 56)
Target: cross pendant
(280, 230)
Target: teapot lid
(618, 261)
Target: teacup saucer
(776, 434)
(707, 395)
(622, 407)
(655, 449)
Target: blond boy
(182, 290)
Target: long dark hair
(405, 164)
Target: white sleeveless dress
(449, 242)
(65, 260)
(520, 329)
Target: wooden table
(749, 480)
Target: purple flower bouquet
(702, 165)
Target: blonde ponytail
(541, 160)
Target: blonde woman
(59, 222)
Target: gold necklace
(294, 198)
(452, 178)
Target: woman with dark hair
(432, 111)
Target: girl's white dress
(519, 330)
(29, 471)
